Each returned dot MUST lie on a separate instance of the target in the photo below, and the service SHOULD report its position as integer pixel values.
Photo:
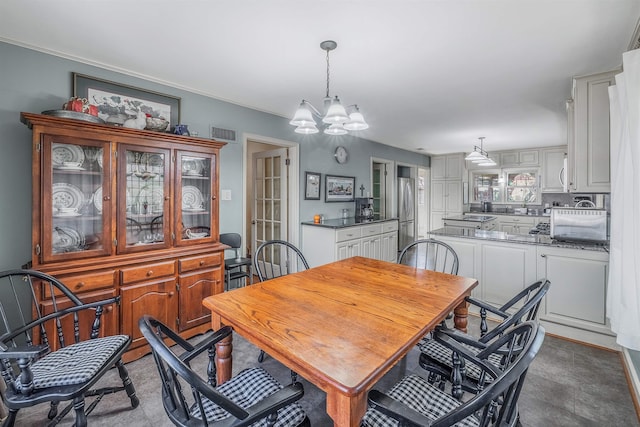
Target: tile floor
(568, 385)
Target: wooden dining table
(342, 325)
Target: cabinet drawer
(389, 226)
(83, 283)
(348, 234)
(198, 262)
(370, 230)
(146, 272)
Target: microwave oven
(579, 224)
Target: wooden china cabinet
(127, 212)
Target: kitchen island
(340, 238)
(506, 263)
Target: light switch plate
(226, 194)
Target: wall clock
(341, 155)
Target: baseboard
(581, 335)
(632, 379)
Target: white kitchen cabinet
(553, 173)
(323, 244)
(519, 158)
(514, 224)
(507, 269)
(446, 200)
(448, 166)
(589, 145)
(469, 260)
(578, 289)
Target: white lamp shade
(335, 129)
(302, 117)
(356, 122)
(307, 129)
(486, 162)
(475, 156)
(336, 113)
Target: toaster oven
(579, 224)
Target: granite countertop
(538, 213)
(470, 218)
(348, 222)
(501, 236)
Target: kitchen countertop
(470, 218)
(539, 215)
(348, 222)
(501, 236)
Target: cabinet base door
(193, 289)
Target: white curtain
(623, 294)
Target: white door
(270, 196)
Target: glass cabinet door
(522, 186)
(76, 196)
(195, 199)
(143, 198)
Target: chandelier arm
(313, 109)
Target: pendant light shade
(356, 121)
(307, 129)
(340, 119)
(336, 129)
(303, 116)
(480, 157)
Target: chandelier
(479, 156)
(335, 116)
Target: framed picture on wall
(312, 185)
(339, 188)
(117, 102)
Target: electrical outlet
(226, 194)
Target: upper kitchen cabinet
(588, 134)
(449, 166)
(519, 158)
(554, 175)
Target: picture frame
(339, 188)
(312, 185)
(116, 101)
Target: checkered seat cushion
(442, 354)
(247, 388)
(422, 397)
(74, 364)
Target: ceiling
(428, 75)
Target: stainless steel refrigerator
(406, 212)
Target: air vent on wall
(223, 134)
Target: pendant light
(479, 156)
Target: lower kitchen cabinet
(578, 287)
(377, 240)
(513, 224)
(200, 277)
(574, 307)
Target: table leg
(460, 316)
(224, 348)
(346, 410)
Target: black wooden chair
(51, 351)
(430, 254)
(415, 402)
(438, 359)
(276, 258)
(252, 396)
(238, 267)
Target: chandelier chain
(327, 73)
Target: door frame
(293, 226)
(390, 184)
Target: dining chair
(238, 267)
(252, 397)
(275, 258)
(414, 401)
(54, 352)
(438, 359)
(430, 254)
